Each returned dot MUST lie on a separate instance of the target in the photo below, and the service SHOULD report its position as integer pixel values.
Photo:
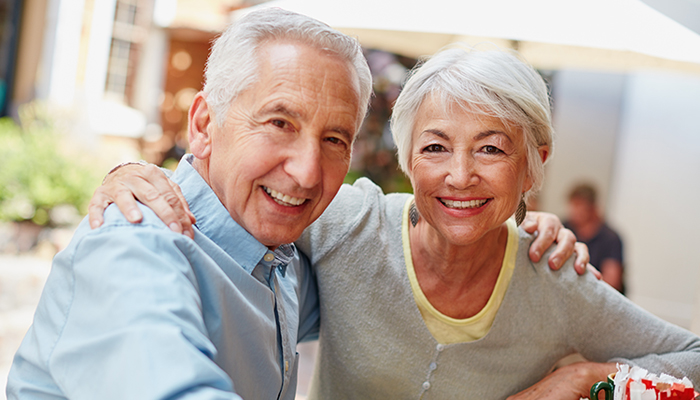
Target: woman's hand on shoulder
(149, 185)
(571, 382)
(551, 230)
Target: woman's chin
(464, 236)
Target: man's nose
(304, 163)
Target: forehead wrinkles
(325, 85)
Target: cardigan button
(440, 347)
(433, 366)
(426, 385)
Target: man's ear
(201, 121)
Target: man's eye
(279, 123)
(434, 148)
(336, 141)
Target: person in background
(604, 244)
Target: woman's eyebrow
(491, 132)
(437, 133)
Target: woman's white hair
(493, 82)
(233, 63)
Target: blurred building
(122, 71)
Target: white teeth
(464, 204)
(283, 199)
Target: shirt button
(426, 385)
(440, 347)
(433, 366)
(269, 257)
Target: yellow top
(447, 330)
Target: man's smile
(283, 199)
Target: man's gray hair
(493, 82)
(233, 63)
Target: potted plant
(41, 172)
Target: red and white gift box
(634, 383)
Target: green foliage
(38, 171)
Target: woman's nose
(462, 172)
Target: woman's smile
(457, 204)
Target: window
(131, 19)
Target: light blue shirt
(135, 311)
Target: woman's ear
(201, 121)
(544, 153)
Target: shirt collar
(215, 222)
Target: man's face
(580, 211)
(284, 147)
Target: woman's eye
(491, 150)
(434, 148)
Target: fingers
(182, 210)
(124, 199)
(530, 222)
(149, 185)
(582, 258)
(152, 188)
(566, 241)
(547, 226)
(99, 202)
(594, 271)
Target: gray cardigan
(374, 344)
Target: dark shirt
(603, 245)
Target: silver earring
(413, 214)
(520, 212)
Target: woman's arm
(571, 382)
(604, 326)
(149, 185)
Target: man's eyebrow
(343, 132)
(280, 109)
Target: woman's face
(468, 171)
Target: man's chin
(275, 239)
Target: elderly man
(136, 311)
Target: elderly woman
(433, 295)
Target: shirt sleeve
(613, 247)
(135, 327)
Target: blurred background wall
(636, 137)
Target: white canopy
(599, 34)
